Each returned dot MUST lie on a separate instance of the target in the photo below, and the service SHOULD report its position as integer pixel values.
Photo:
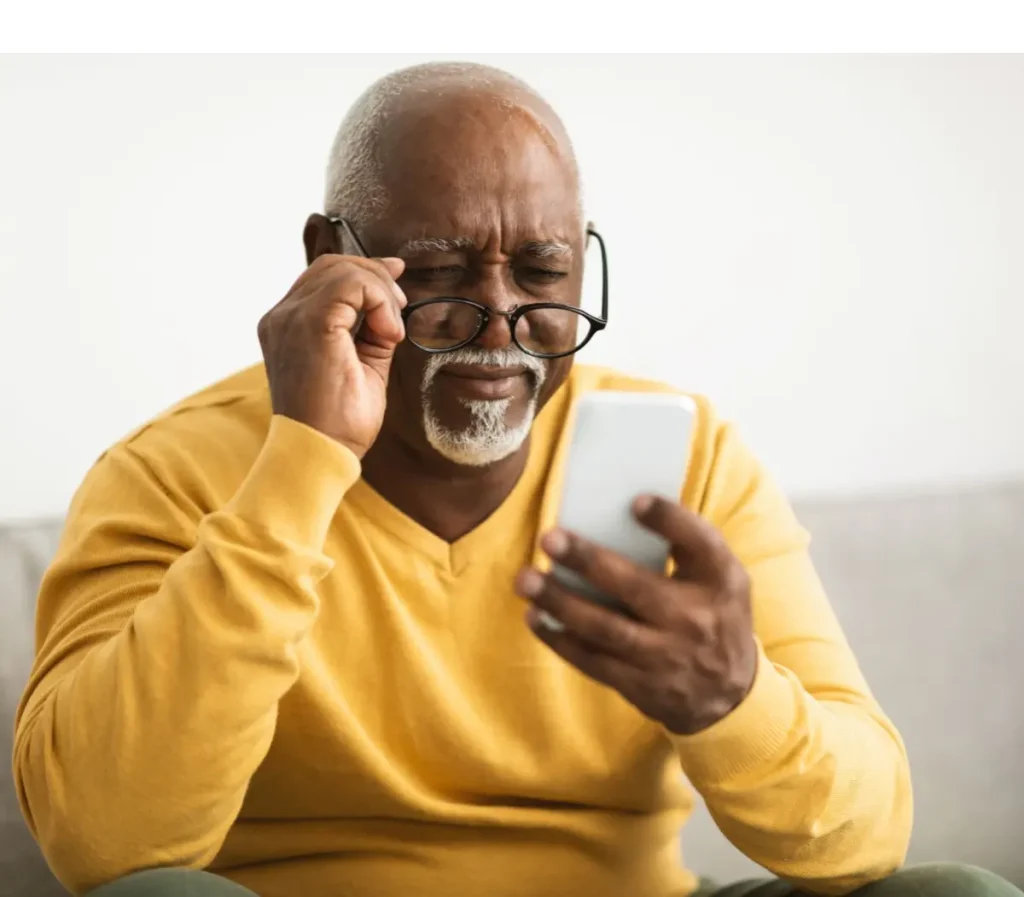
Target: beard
(489, 436)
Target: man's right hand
(328, 345)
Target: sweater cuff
(751, 735)
(296, 483)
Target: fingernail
(555, 543)
(541, 619)
(529, 583)
(643, 504)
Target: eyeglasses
(541, 329)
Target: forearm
(817, 791)
(176, 710)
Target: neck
(447, 499)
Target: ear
(320, 237)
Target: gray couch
(931, 591)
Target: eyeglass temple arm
(591, 232)
(350, 232)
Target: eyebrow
(436, 244)
(547, 249)
(539, 248)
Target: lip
(481, 381)
(481, 371)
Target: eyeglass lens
(445, 324)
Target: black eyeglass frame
(597, 324)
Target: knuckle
(703, 625)
(269, 326)
(736, 579)
(326, 260)
(636, 594)
(597, 561)
(338, 316)
(719, 553)
(607, 633)
(628, 639)
(377, 267)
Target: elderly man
(282, 641)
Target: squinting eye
(428, 274)
(545, 274)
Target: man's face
(483, 206)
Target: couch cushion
(24, 554)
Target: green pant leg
(754, 887)
(928, 880)
(172, 883)
(941, 880)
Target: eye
(433, 274)
(543, 275)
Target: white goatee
(488, 437)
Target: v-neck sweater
(249, 661)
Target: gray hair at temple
(354, 186)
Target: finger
(395, 267)
(320, 270)
(598, 627)
(604, 668)
(388, 270)
(359, 295)
(610, 572)
(699, 550)
(382, 324)
(329, 267)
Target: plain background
(829, 247)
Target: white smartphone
(624, 444)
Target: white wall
(830, 247)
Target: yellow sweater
(249, 661)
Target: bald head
(437, 114)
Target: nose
(497, 334)
(493, 292)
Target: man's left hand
(686, 656)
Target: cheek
(406, 372)
(558, 370)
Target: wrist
(296, 483)
(730, 691)
(355, 447)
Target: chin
(494, 431)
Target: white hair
(489, 437)
(354, 185)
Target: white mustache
(507, 357)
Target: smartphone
(624, 444)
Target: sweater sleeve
(807, 777)
(164, 642)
